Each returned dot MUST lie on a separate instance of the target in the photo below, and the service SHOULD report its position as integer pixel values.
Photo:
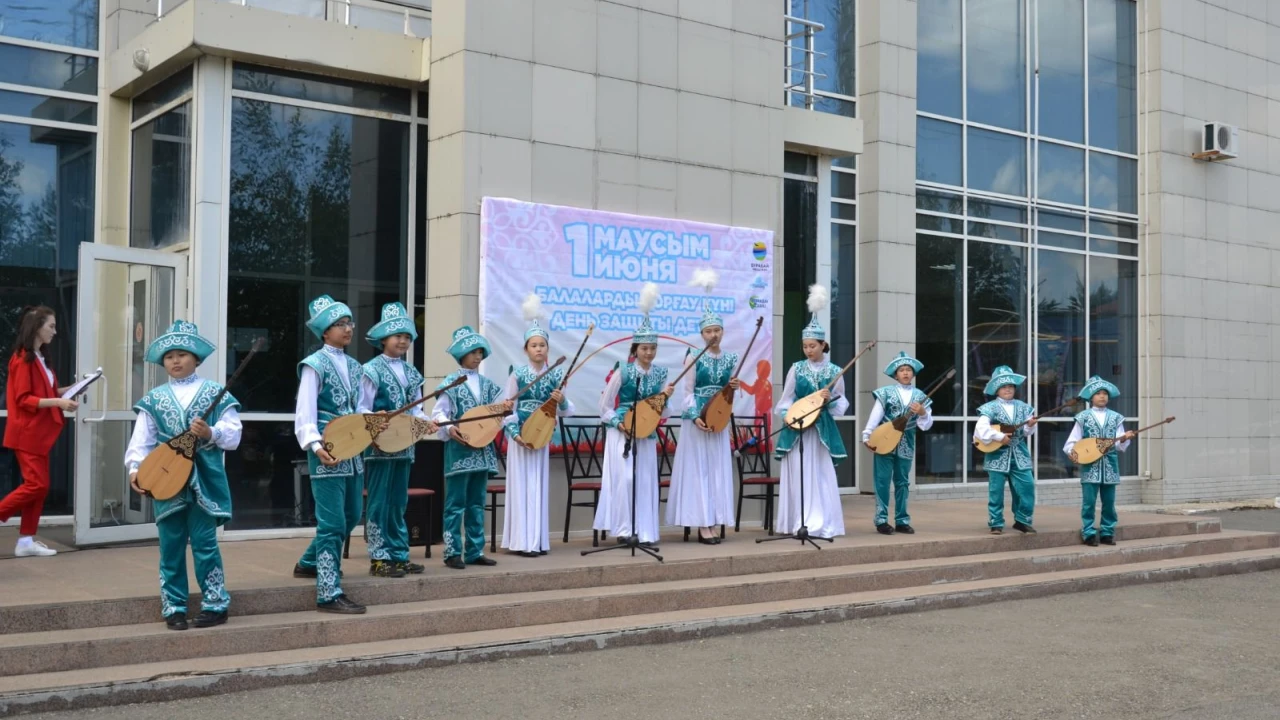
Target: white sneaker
(35, 548)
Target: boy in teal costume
(194, 514)
(466, 469)
(1101, 477)
(388, 384)
(328, 388)
(1010, 464)
(894, 469)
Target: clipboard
(80, 387)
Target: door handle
(103, 393)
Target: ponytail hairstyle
(33, 319)
(632, 353)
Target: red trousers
(28, 498)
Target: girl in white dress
(823, 448)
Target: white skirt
(525, 524)
(613, 513)
(701, 479)
(824, 515)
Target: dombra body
(646, 415)
(1091, 450)
(484, 422)
(718, 411)
(1009, 429)
(538, 428)
(348, 436)
(886, 437)
(805, 411)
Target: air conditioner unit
(1218, 141)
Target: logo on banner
(759, 250)
(756, 302)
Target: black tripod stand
(632, 542)
(801, 533)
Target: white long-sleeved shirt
(512, 389)
(609, 397)
(226, 432)
(369, 389)
(1077, 432)
(839, 404)
(983, 432)
(443, 411)
(45, 366)
(306, 424)
(923, 422)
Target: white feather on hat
(531, 308)
(705, 278)
(648, 297)
(818, 297)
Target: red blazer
(30, 428)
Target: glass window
(319, 204)
(997, 292)
(1060, 174)
(420, 246)
(160, 191)
(938, 152)
(937, 201)
(1070, 242)
(62, 460)
(939, 224)
(938, 63)
(1113, 247)
(941, 452)
(1061, 64)
(1051, 462)
(799, 164)
(268, 479)
(844, 247)
(1113, 328)
(940, 316)
(1126, 230)
(800, 261)
(837, 41)
(1113, 183)
(997, 63)
(57, 22)
(1060, 329)
(1061, 221)
(43, 107)
(844, 185)
(997, 232)
(1113, 75)
(48, 69)
(335, 91)
(844, 211)
(997, 162)
(424, 104)
(162, 93)
(992, 210)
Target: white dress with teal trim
(613, 513)
(526, 525)
(702, 478)
(823, 513)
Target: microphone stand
(801, 533)
(632, 541)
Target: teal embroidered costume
(1100, 477)
(894, 469)
(1011, 464)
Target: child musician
(823, 448)
(526, 527)
(1010, 464)
(193, 515)
(466, 469)
(632, 383)
(1100, 477)
(388, 383)
(328, 388)
(893, 401)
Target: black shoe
(482, 560)
(884, 529)
(209, 618)
(455, 562)
(1023, 527)
(707, 540)
(303, 572)
(905, 529)
(1108, 540)
(385, 568)
(341, 605)
(1091, 541)
(176, 621)
(411, 568)
(542, 552)
(997, 531)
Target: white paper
(79, 387)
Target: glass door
(127, 297)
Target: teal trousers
(1089, 495)
(196, 527)
(339, 504)
(464, 496)
(1022, 492)
(385, 530)
(891, 470)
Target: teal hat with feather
(181, 335)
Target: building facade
(980, 182)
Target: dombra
(718, 411)
(643, 417)
(1091, 450)
(886, 437)
(485, 421)
(538, 428)
(804, 412)
(348, 436)
(1007, 429)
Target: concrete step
(50, 651)
(567, 571)
(209, 675)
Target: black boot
(455, 562)
(209, 618)
(385, 568)
(411, 568)
(1108, 540)
(341, 605)
(176, 621)
(1091, 541)
(905, 529)
(1023, 527)
(997, 531)
(884, 529)
(482, 560)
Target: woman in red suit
(35, 421)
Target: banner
(589, 266)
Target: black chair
(494, 490)
(426, 493)
(752, 449)
(583, 452)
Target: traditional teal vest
(460, 459)
(808, 381)
(1018, 451)
(208, 488)
(651, 384)
(893, 407)
(391, 395)
(532, 400)
(334, 400)
(1107, 469)
(710, 375)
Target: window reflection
(1060, 175)
(1061, 70)
(940, 316)
(941, 452)
(160, 190)
(1113, 183)
(1113, 328)
(57, 22)
(938, 151)
(48, 69)
(1060, 328)
(1113, 75)
(268, 479)
(800, 261)
(997, 63)
(938, 60)
(997, 310)
(997, 162)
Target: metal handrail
(807, 69)
(408, 13)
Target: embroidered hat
(645, 334)
(395, 321)
(531, 308)
(325, 311)
(181, 335)
(466, 339)
(1003, 375)
(899, 361)
(1095, 384)
(819, 296)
